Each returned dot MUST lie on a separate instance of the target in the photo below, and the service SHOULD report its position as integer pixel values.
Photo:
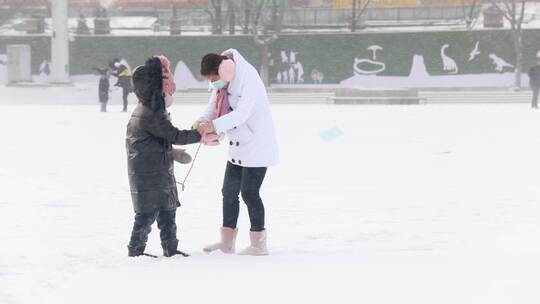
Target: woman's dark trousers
(247, 182)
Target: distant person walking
(44, 72)
(534, 81)
(103, 90)
(120, 69)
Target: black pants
(125, 94)
(247, 181)
(535, 97)
(166, 221)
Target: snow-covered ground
(411, 204)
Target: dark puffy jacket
(534, 76)
(150, 162)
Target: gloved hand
(210, 139)
(195, 125)
(181, 156)
(206, 127)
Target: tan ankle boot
(258, 244)
(227, 244)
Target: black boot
(171, 249)
(170, 253)
(136, 252)
(167, 226)
(139, 234)
(133, 252)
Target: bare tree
(266, 28)
(11, 8)
(471, 11)
(5, 12)
(214, 9)
(514, 12)
(48, 7)
(247, 6)
(231, 13)
(355, 15)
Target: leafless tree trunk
(247, 5)
(12, 8)
(5, 12)
(471, 14)
(48, 7)
(231, 11)
(217, 5)
(214, 9)
(514, 12)
(266, 30)
(355, 15)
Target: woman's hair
(210, 64)
(148, 84)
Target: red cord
(183, 183)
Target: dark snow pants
(103, 106)
(166, 221)
(535, 97)
(247, 181)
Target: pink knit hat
(169, 87)
(226, 69)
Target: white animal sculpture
(299, 72)
(449, 64)
(475, 52)
(499, 63)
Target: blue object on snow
(331, 134)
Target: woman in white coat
(239, 107)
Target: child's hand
(195, 125)
(210, 139)
(206, 127)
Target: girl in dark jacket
(150, 136)
(104, 89)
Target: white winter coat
(249, 126)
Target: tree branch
(522, 13)
(203, 8)
(364, 7)
(505, 13)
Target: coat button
(239, 162)
(231, 143)
(230, 109)
(237, 144)
(233, 160)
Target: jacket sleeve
(162, 127)
(208, 114)
(244, 110)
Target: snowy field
(412, 204)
